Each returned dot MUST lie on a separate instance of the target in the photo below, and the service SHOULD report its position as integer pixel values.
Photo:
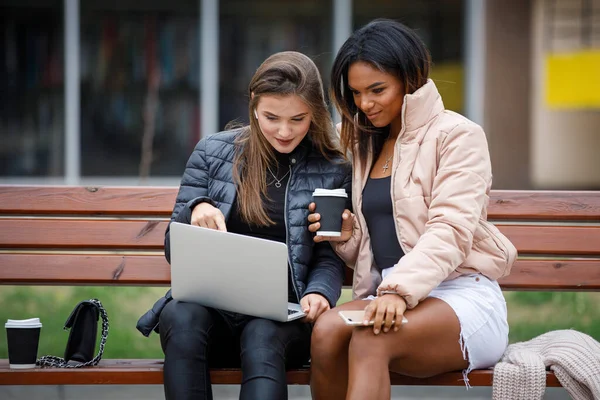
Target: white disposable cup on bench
(23, 338)
(330, 204)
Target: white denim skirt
(481, 310)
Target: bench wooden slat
(558, 240)
(78, 269)
(149, 235)
(138, 372)
(553, 275)
(87, 200)
(504, 204)
(67, 233)
(540, 205)
(112, 269)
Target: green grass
(53, 305)
(530, 314)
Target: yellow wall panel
(449, 79)
(573, 80)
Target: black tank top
(378, 212)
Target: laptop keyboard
(291, 311)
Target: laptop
(231, 272)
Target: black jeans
(195, 338)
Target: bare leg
(428, 345)
(329, 353)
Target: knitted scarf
(574, 357)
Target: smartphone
(356, 317)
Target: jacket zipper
(398, 235)
(287, 234)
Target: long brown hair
(390, 47)
(285, 73)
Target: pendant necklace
(387, 163)
(278, 181)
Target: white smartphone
(356, 318)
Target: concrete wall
(565, 144)
(532, 145)
(507, 91)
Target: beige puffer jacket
(441, 179)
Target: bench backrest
(114, 236)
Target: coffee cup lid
(23, 323)
(331, 192)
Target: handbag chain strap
(58, 362)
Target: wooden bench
(114, 236)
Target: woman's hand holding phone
(357, 318)
(384, 310)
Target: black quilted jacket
(208, 177)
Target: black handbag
(83, 326)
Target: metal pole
(475, 45)
(342, 28)
(72, 93)
(209, 67)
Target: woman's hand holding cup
(315, 225)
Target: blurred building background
(82, 83)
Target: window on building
(138, 57)
(140, 66)
(31, 88)
(248, 35)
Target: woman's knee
(188, 323)
(329, 334)
(178, 316)
(364, 343)
(260, 333)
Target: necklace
(278, 181)
(387, 163)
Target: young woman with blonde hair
(258, 180)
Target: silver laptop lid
(229, 271)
